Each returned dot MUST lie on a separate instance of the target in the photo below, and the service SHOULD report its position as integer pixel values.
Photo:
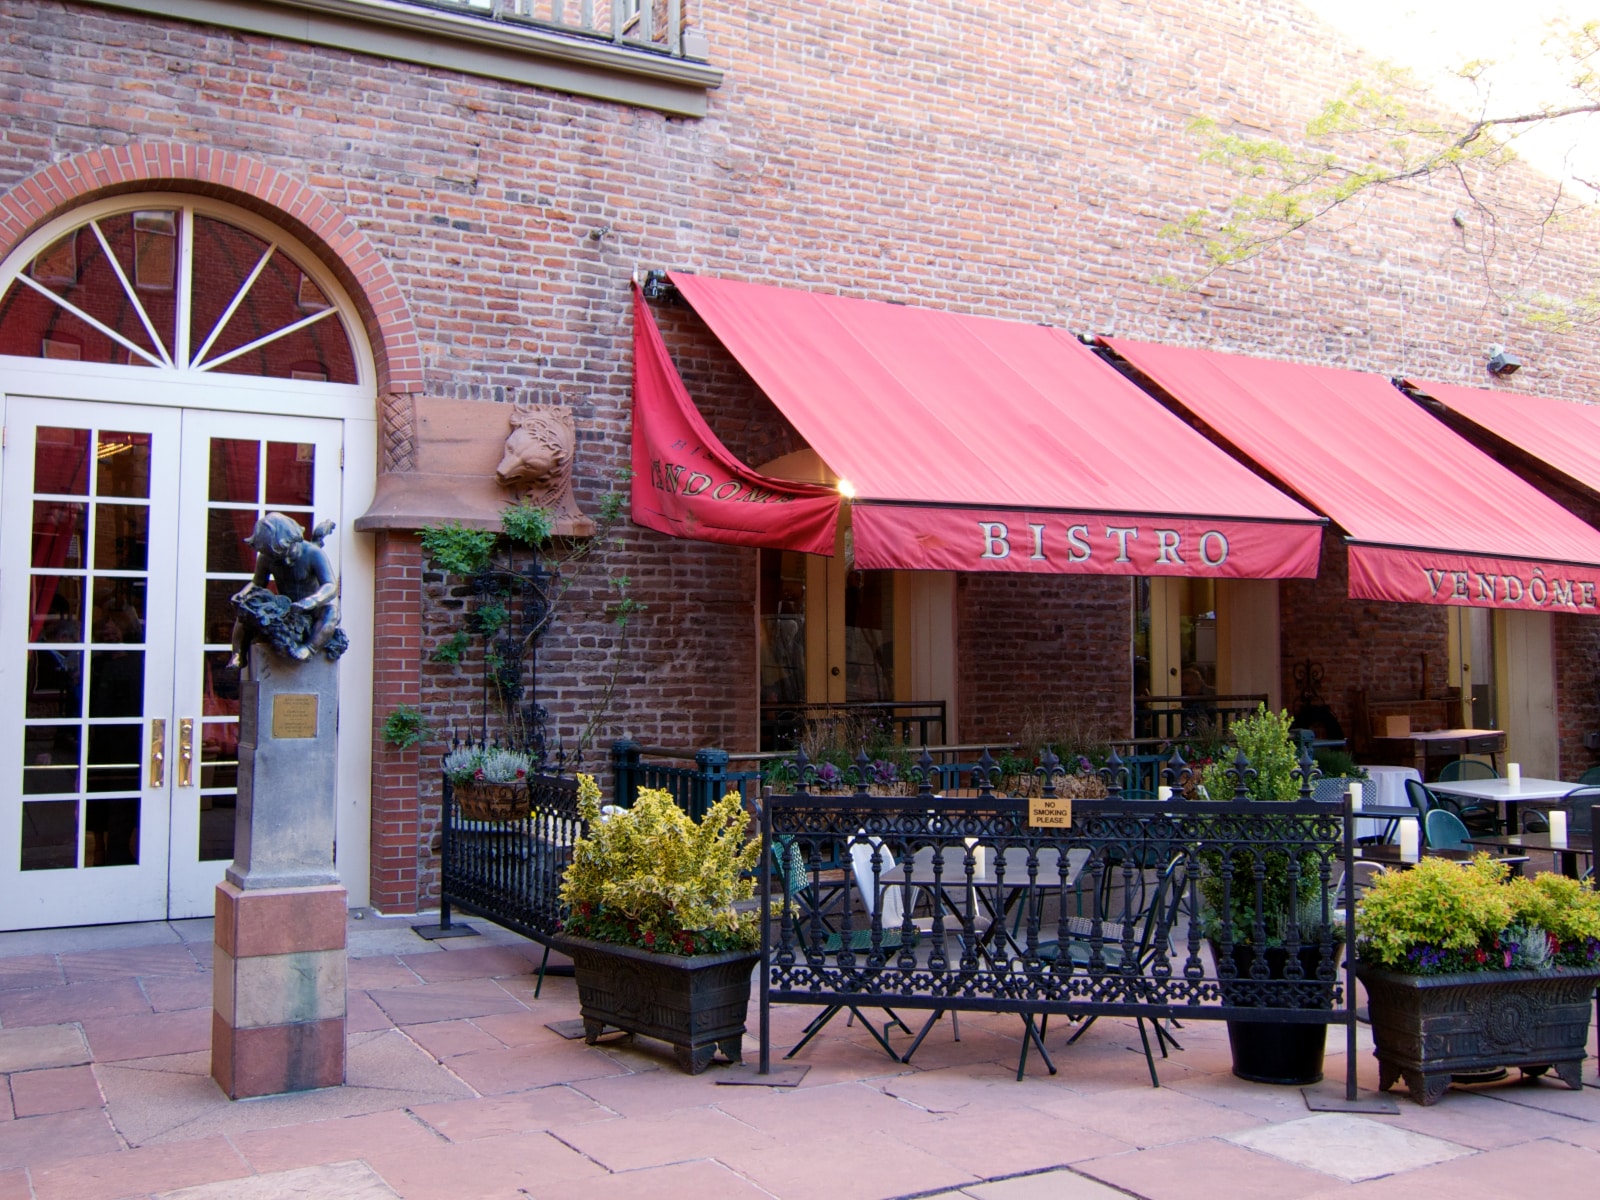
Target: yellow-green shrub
(651, 876)
(1438, 917)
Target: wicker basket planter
(1427, 1027)
(697, 1004)
(479, 801)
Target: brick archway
(253, 185)
(339, 244)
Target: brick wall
(1017, 163)
(1370, 644)
(1043, 653)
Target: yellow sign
(294, 716)
(1049, 812)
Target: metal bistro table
(1502, 792)
(1389, 855)
(998, 881)
(996, 885)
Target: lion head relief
(538, 453)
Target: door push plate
(158, 752)
(186, 752)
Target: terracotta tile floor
(458, 1090)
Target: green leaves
(405, 726)
(455, 548)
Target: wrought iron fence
(697, 779)
(1170, 908)
(1174, 718)
(510, 871)
(916, 723)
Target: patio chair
(1576, 803)
(816, 909)
(1443, 830)
(1590, 778)
(1350, 888)
(1482, 817)
(893, 919)
(1152, 938)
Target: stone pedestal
(278, 1021)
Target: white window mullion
(185, 286)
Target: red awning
(974, 444)
(1559, 433)
(686, 483)
(1429, 517)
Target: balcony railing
(638, 24)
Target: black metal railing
(654, 24)
(697, 779)
(1177, 717)
(1138, 908)
(910, 723)
(510, 871)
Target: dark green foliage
(405, 726)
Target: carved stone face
(539, 450)
(528, 461)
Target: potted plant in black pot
(660, 943)
(1241, 932)
(1468, 970)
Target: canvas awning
(1428, 517)
(966, 444)
(1562, 435)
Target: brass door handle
(186, 752)
(158, 752)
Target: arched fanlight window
(177, 287)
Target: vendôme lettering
(1536, 589)
(675, 479)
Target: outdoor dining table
(1389, 784)
(1567, 852)
(998, 881)
(1389, 855)
(1505, 793)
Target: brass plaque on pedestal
(1049, 812)
(294, 715)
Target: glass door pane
(244, 466)
(86, 631)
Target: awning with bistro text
(1428, 517)
(964, 444)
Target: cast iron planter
(697, 1003)
(1427, 1027)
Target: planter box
(1427, 1027)
(697, 1004)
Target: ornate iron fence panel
(510, 871)
(1187, 908)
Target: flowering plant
(485, 764)
(651, 876)
(1440, 918)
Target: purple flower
(828, 775)
(884, 772)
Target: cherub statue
(303, 617)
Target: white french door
(119, 763)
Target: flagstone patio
(458, 1090)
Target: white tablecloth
(1390, 784)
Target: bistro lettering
(1077, 544)
(678, 480)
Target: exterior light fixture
(846, 489)
(1503, 362)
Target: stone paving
(458, 1091)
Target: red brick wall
(394, 772)
(1369, 644)
(1043, 653)
(1019, 164)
